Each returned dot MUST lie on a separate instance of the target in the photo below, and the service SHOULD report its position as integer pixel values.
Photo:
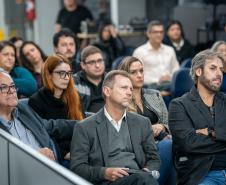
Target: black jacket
(185, 52)
(47, 106)
(84, 88)
(194, 153)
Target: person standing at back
(71, 16)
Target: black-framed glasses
(64, 74)
(7, 89)
(95, 62)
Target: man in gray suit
(115, 147)
(23, 123)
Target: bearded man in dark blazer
(115, 147)
(197, 122)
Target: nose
(97, 64)
(67, 77)
(139, 74)
(219, 73)
(129, 92)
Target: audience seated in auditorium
(89, 80)
(66, 43)
(109, 43)
(32, 57)
(58, 98)
(149, 103)
(24, 124)
(23, 79)
(197, 124)
(109, 143)
(175, 37)
(159, 60)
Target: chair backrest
(186, 63)
(181, 82)
(223, 85)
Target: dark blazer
(42, 128)
(194, 153)
(89, 148)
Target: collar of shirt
(116, 124)
(179, 45)
(149, 46)
(8, 124)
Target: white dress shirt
(116, 124)
(156, 62)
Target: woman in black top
(109, 43)
(175, 37)
(58, 98)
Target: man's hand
(157, 128)
(165, 78)
(112, 31)
(203, 131)
(113, 174)
(48, 153)
(67, 156)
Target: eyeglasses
(95, 62)
(157, 32)
(64, 74)
(7, 89)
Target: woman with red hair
(58, 98)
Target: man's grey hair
(217, 44)
(154, 23)
(200, 60)
(109, 79)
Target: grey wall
(128, 9)
(44, 27)
(194, 17)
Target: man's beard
(208, 84)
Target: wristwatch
(210, 132)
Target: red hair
(70, 95)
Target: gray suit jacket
(89, 146)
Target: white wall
(44, 26)
(194, 17)
(128, 9)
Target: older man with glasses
(24, 124)
(89, 81)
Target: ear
(55, 50)
(148, 34)
(198, 72)
(82, 65)
(106, 91)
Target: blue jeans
(167, 170)
(215, 177)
